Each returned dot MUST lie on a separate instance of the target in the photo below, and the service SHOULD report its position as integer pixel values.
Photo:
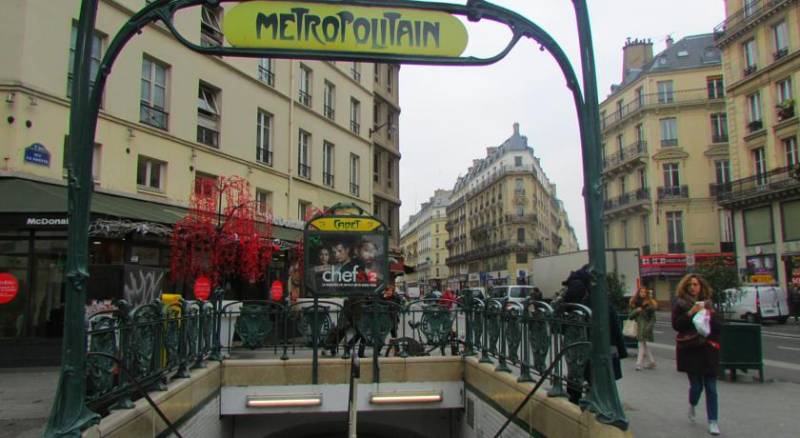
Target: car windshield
(519, 292)
(499, 292)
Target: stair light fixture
(284, 401)
(405, 397)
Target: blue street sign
(37, 154)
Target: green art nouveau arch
(69, 414)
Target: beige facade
(423, 239)
(665, 144)
(759, 42)
(386, 148)
(502, 214)
(298, 131)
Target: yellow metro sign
(345, 224)
(344, 28)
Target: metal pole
(603, 397)
(355, 373)
(69, 414)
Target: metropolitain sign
(344, 28)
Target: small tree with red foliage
(223, 236)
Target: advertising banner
(345, 256)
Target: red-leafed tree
(223, 236)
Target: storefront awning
(24, 196)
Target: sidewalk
(656, 402)
(26, 395)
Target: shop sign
(342, 28)
(202, 288)
(37, 154)
(9, 287)
(345, 255)
(474, 276)
(762, 279)
(676, 264)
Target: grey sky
(451, 114)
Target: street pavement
(655, 401)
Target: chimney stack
(636, 53)
(669, 41)
(516, 129)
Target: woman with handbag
(643, 311)
(697, 356)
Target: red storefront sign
(9, 286)
(675, 264)
(202, 288)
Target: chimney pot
(516, 129)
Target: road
(780, 345)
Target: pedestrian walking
(643, 311)
(697, 355)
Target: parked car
(511, 294)
(755, 303)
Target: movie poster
(346, 263)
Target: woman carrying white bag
(697, 344)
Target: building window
(517, 161)
(390, 124)
(264, 137)
(389, 78)
(377, 208)
(719, 128)
(790, 151)
(376, 166)
(376, 108)
(758, 226)
(645, 230)
(95, 57)
(329, 97)
(205, 185)
(639, 134)
(790, 216)
(304, 93)
(153, 96)
(669, 132)
(208, 115)
(639, 97)
(355, 70)
(621, 146)
(377, 72)
(754, 112)
(210, 30)
(355, 115)
(521, 235)
(785, 102)
(750, 56)
(327, 163)
(780, 38)
(622, 190)
(522, 257)
(389, 172)
(715, 88)
(266, 71)
(642, 178)
(723, 171)
(665, 94)
(620, 108)
(303, 208)
(671, 175)
(355, 172)
(96, 158)
(675, 231)
(263, 201)
(303, 160)
(624, 225)
(520, 211)
(760, 166)
(750, 7)
(150, 174)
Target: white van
(755, 303)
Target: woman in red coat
(696, 355)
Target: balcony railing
(328, 111)
(669, 142)
(153, 116)
(755, 126)
(715, 189)
(628, 199)
(750, 69)
(656, 100)
(265, 75)
(355, 126)
(719, 138)
(524, 219)
(304, 97)
(673, 192)
(751, 12)
(354, 189)
(304, 170)
(634, 150)
(500, 173)
(327, 179)
(767, 183)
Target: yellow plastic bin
(171, 310)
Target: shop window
(758, 226)
(790, 218)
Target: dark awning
(25, 196)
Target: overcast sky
(451, 114)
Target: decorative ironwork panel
(101, 371)
(324, 324)
(253, 325)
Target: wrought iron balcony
(775, 183)
(755, 126)
(740, 20)
(629, 154)
(304, 97)
(153, 116)
(327, 179)
(524, 219)
(658, 100)
(632, 199)
(750, 69)
(673, 192)
(715, 189)
(719, 138)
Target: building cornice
(763, 76)
(670, 154)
